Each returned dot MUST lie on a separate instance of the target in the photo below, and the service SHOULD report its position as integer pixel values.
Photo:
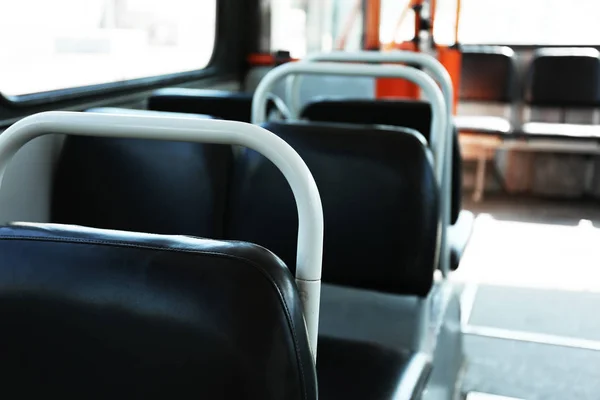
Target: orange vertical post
(388, 88)
(372, 24)
(393, 87)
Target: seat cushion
(380, 203)
(358, 370)
(403, 113)
(459, 235)
(89, 313)
(483, 125)
(142, 185)
(542, 130)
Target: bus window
(397, 22)
(520, 22)
(59, 44)
(288, 26)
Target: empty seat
(132, 111)
(380, 203)
(487, 89)
(410, 114)
(563, 94)
(235, 106)
(90, 313)
(349, 369)
(381, 216)
(142, 185)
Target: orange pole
(457, 21)
(372, 24)
(394, 87)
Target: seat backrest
(142, 185)
(564, 79)
(235, 106)
(402, 113)
(89, 313)
(380, 204)
(134, 111)
(488, 74)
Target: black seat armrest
(459, 235)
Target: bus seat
(133, 111)
(563, 94)
(142, 185)
(487, 90)
(411, 114)
(234, 106)
(91, 313)
(348, 369)
(380, 202)
(405, 113)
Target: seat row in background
(382, 209)
(560, 93)
(535, 114)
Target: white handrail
(310, 212)
(439, 73)
(437, 70)
(430, 89)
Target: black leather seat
(104, 314)
(564, 79)
(488, 76)
(381, 215)
(411, 114)
(348, 369)
(142, 185)
(380, 202)
(234, 106)
(132, 111)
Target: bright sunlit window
(521, 22)
(56, 44)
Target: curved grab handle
(430, 89)
(437, 71)
(310, 212)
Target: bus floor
(530, 281)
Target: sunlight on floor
(536, 255)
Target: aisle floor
(531, 277)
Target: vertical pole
(417, 7)
(457, 21)
(372, 23)
(432, 10)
